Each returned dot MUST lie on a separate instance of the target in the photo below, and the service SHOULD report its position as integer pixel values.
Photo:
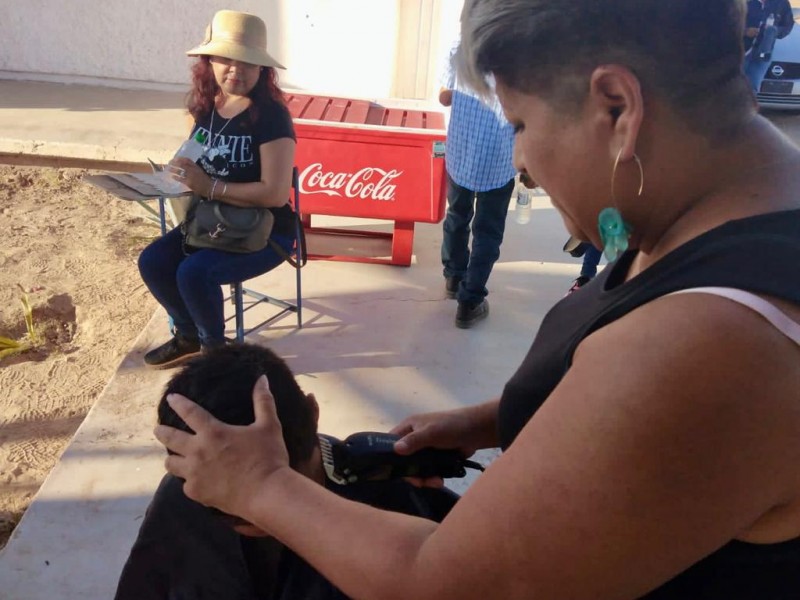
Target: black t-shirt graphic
(234, 149)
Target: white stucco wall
(340, 47)
(118, 39)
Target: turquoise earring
(614, 231)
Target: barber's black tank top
(758, 254)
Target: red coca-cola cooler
(365, 159)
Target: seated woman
(651, 435)
(248, 161)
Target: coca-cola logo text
(369, 183)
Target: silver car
(775, 76)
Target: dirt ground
(71, 250)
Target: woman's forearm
(485, 418)
(344, 540)
(271, 190)
(256, 193)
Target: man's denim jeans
(591, 258)
(489, 210)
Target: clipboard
(172, 206)
(137, 186)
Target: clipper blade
(328, 460)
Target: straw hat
(238, 36)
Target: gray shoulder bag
(215, 224)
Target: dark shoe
(451, 286)
(173, 353)
(575, 247)
(578, 283)
(468, 314)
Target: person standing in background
(480, 181)
(758, 11)
(591, 258)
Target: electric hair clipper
(370, 456)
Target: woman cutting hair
(247, 162)
(651, 435)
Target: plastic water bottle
(193, 148)
(523, 210)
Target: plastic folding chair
(238, 291)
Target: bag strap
(301, 243)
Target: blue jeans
(189, 286)
(591, 258)
(473, 267)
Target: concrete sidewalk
(85, 123)
(378, 343)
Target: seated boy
(186, 551)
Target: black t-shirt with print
(235, 143)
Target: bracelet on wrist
(213, 187)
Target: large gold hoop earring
(614, 231)
(614, 176)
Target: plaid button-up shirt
(480, 141)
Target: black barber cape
(185, 552)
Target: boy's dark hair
(221, 381)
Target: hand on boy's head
(223, 465)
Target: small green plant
(9, 347)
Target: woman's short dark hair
(200, 98)
(686, 52)
(221, 381)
